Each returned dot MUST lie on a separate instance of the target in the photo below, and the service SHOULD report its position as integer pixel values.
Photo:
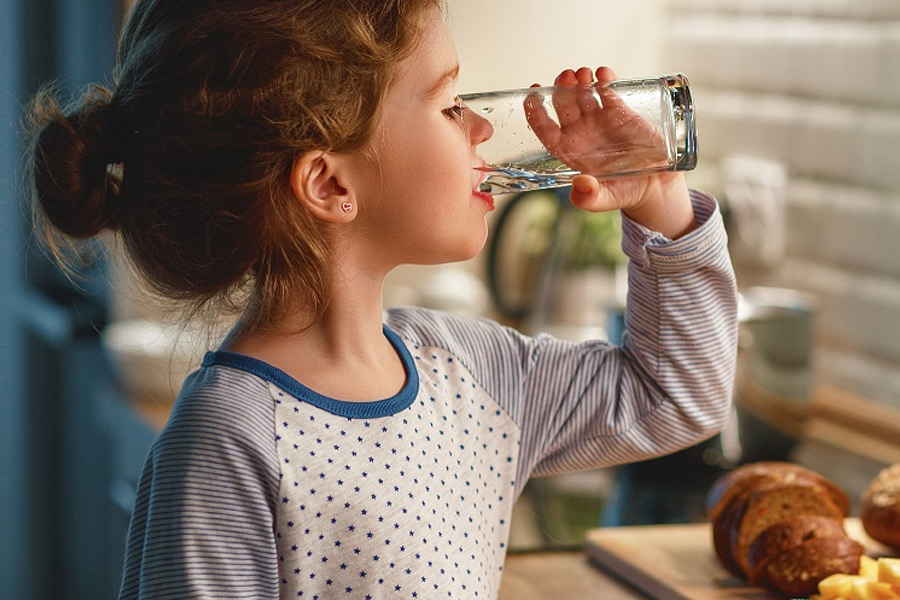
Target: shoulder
(499, 358)
(209, 485)
(221, 413)
(460, 335)
(216, 394)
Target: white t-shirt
(259, 487)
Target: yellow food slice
(838, 584)
(889, 571)
(868, 567)
(868, 589)
(877, 580)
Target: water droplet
(487, 110)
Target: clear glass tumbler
(545, 136)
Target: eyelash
(456, 111)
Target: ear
(318, 182)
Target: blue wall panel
(15, 568)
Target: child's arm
(202, 521)
(670, 384)
(582, 406)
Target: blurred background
(799, 123)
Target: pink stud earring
(346, 207)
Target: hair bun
(72, 151)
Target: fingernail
(581, 186)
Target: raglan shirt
(259, 487)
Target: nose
(478, 128)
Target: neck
(343, 353)
(351, 326)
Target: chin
(476, 248)
(457, 254)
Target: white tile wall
(826, 139)
(819, 58)
(814, 84)
(514, 43)
(849, 228)
(859, 9)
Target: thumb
(588, 194)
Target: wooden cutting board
(677, 562)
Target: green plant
(593, 240)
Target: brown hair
(187, 159)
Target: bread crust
(715, 497)
(763, 507)
(879, 509)
(789, 533)
(722, 527)
(798, 570)
(733, 482)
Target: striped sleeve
(670, 384)
(589, 405)
(202, 525)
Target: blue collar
(353, 410)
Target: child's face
(421, 194)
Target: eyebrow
(446, 77)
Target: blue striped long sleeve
(588, 405)
(202, 525)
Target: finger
(565, 101)
(587, 194)
(608, 97)
(585, 96)
(567, 77)
(539, 119)
(605, 75)
(584, 75)
(625, 116)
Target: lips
(485, 197)
(482, 171)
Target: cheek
(436, 164)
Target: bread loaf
(879, 508)
(753, 474)
(763, 507)
(732, 506)
(786, 534)
(781, 525)
(797, 571)
(730, 482)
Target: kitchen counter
(662, 562)
(677, 562)
(556, 575)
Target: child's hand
(597, 132)
(660, 201)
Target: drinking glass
(545, 136)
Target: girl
(288, 154)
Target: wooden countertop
(662, 562)
(558, 576)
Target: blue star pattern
(412, 505)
